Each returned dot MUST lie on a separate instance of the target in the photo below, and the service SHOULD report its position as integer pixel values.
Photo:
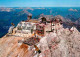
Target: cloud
(73, 10)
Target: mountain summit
(41, 37)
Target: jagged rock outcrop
(60, 17)
(63, 44)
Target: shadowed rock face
(64, 43)
(68, 23)
(78, 21)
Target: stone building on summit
(39, 27)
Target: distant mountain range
(16, 14)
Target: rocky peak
(64, 43)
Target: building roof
(33, 20)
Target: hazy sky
(39, 3)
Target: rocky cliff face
(63, 43)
